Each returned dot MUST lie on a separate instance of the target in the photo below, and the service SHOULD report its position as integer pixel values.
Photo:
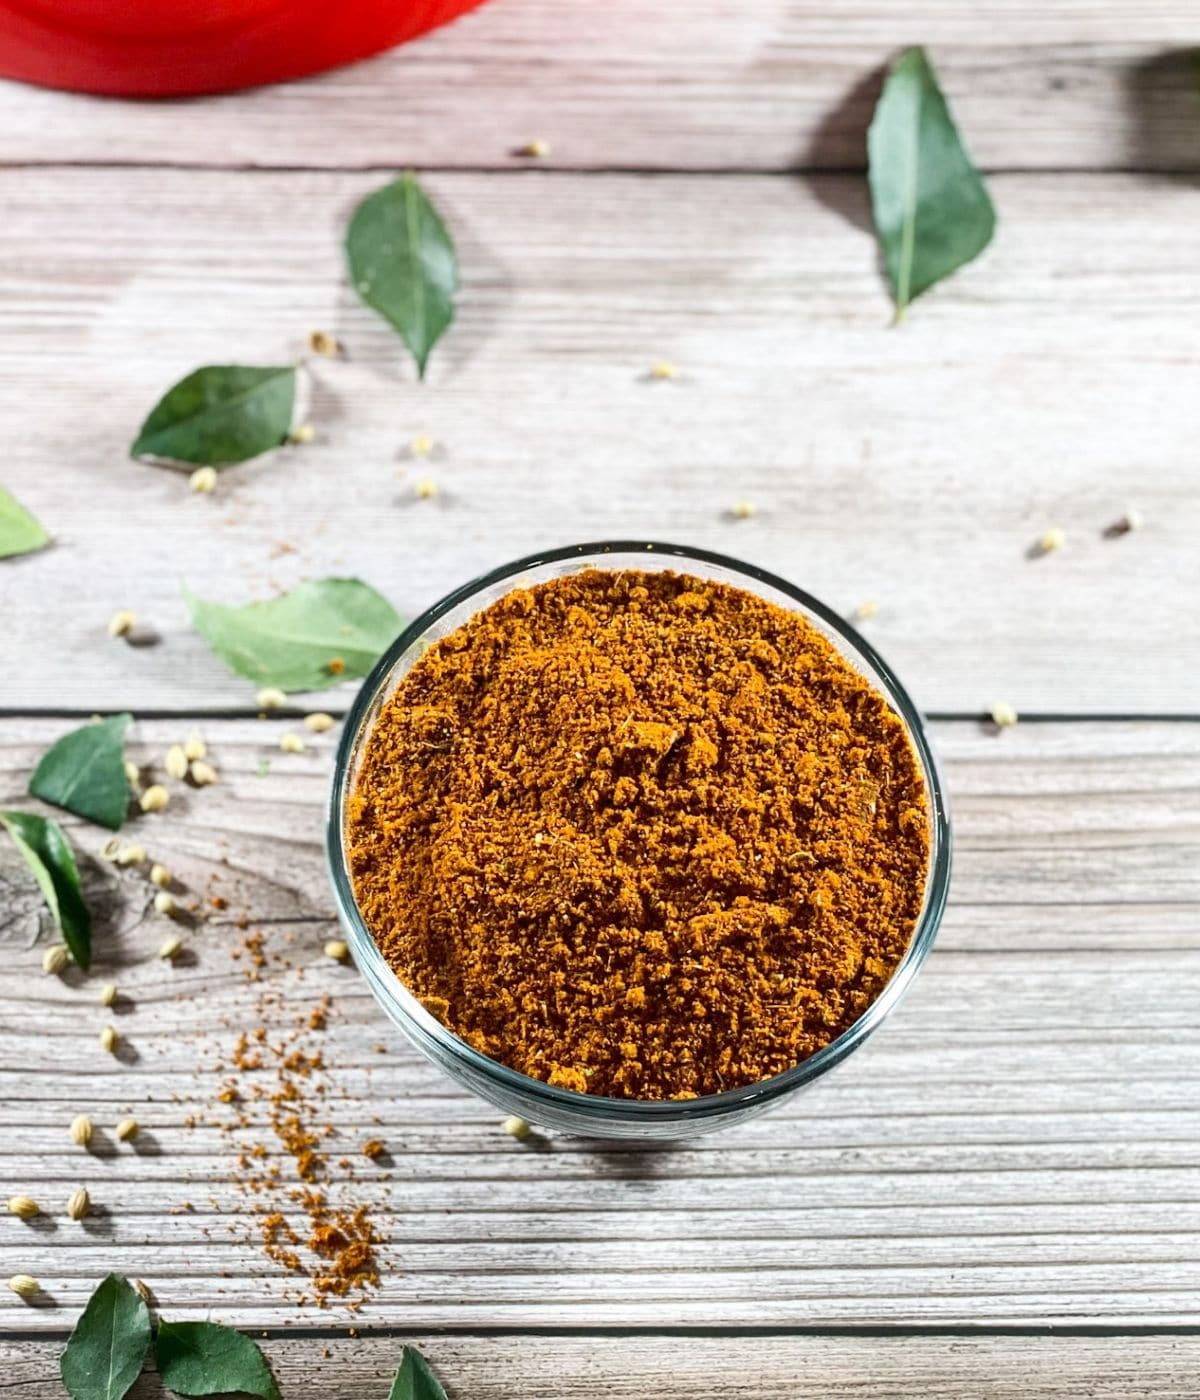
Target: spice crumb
(127, 1129)
(318, 723)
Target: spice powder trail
(640, 834)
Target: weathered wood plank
(684, 84)
(805, 1367)
(1017, 1145)
(1051, 383)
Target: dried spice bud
(81, 1129)
(55, 959)
(318, 723)
(122, 623)
(24, 1206)
(109, 1039)
(195, 747)
(176, 763)
(127, 1129)
(270, 697)
(79, 1204)
(24, 1285)
(291, 743)
(154, 799)
(203, 480)
(337, 950)
(203, 774)
(516, 1128)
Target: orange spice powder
(640, 834)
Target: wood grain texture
(1017, 1145)
(1049, 384)
(804, 1367)
(682, 84)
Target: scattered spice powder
(640, 834)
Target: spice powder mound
(640, 835)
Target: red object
(169, 48)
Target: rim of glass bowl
(425, 1027)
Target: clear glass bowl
(508, 1089)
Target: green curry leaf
(105, 1353)
(220, 415)
(415, 1380)
(20, 533)
(48, 855)
(84, 772)
(321, 632)
(403, 265)
(932, 211)
(205, 1358)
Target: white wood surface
(1052, 383)
(1016, 1146)
(682, 84)
(749, 1367)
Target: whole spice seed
(866, 610)
(426, 489)
(1003, 715)
(171, 947)
(109, 1039)
(166, 903)
(24, 1206)
(122, 623)
(130, 855)
(744, 510)
(127, 1129)
(322, 343)
(133, 774)
(318, 723)
(108, 994)
(304, 433)
(24, 1285)
(176, 763)
(640, 834)
(537, 149)
(79, 1203)
(291, 743)
(337, 950)
(55, 959)
(203, 480)
(516, 1128)
(270, 698)
(420, 446)
(160, 876)
(154, 799)
(113, 846)
(195, 748)
(81, 1129)
(203, 774)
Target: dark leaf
(84, 772)
(220, 415)
(321, 632)
(402, 264)
(20, 533)
(48, 854)
(204, 1358)
(414, 1380)
(932, 211)
(106, 1350)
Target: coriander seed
(79, 1203)
(23, 1206)
(516, 1128)
(122, 623)
(1004, 716)
(55, 959)
(176, 763)
(203, 774)
(109, 1038)
(154, 799)
(108, 994)
(160, 876)
(130, 855)
(337, 949)
(203, 480)
(318, 723)
(291, 743)
(171, 947)
(195, 747)
(127, 1129)
(81, 1129)
(165, 903)
(24, 1285)
(270, 697)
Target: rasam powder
(640, 835)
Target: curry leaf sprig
(20, 533)
(932, 210)
(403, 264)
(220, 415)
(48, 854)
(323, 631)
(106, 1352)
(84, 772)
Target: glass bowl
(508, 1089)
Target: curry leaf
(106, 1350)
(220, 415)
(932, 211)
(20, 533)
(204, 1358)
(323, 631)
(84, 772)
(402, 264)
(48, 855)
(415, 1380)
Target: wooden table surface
(1000, 1195)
